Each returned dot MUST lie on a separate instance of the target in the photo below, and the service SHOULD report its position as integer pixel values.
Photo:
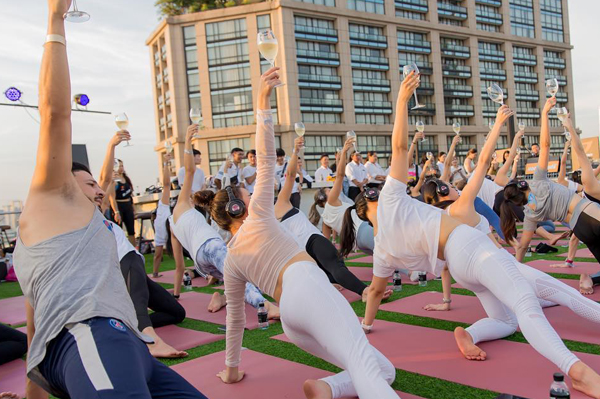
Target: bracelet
(446, 300)
(188, 152)
(366, 327)
(56, 39)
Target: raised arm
(502, 175)
(413, 146)
(333, 198)
(562, 173)
(185, 203)
(513, 173)
(283, 203)
(591, 185)
(449, 157)
(106, 173)
(545, 135)
(399, 167)
(166, 181)
(416, 190)
(464, 206)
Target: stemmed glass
(456, 129)
(352, 135)
(430, 156)
(552, 86)
(406, 70)
(122, 122)
(421, 128)
(563, 114)
(300, 129)
(196, 117)
(267, 46)
(76, 15)
(116, 166)
(496, 94)
(521, 127)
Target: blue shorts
(101, 358)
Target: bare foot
(317, 389)
(160, 349)
(561, 265)
(466, 345)
(585, 379)
(337, 287)
(217, 302)
(272, 311)
(558, 237)
(212, 280)
(586, 286)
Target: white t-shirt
(355, 171)
(305, 176)
(374, 170)
(488, 191)
(123, 245)
(193, 231)
(300, 228)
(440, 166)
(279, 171)
(161, 235)
(322, 174)
(247, 172)
(573, 187)
(232, 172)
(333, 216)
(198, 182)
(408, 233)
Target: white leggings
(507, 290)
(317, 318)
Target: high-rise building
(341, 61)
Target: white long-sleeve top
(261, 247)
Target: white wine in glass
(552, 86)
(521, 126)
(196, 117)
(563, 114)
(75, 15)
(268, 47)
(430, 156)
(122, 122)
(456, 129)
(421, 128)
(300, 129)
(496, 94)
(406, 70)
(352, 135)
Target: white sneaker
(414, 276)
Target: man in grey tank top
(81, 324)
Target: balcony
(490, 109)
(368, 40)
(228, 108)
(491, 55)
(456, 51)
(524, 59)
(426, 89)
(458, 110)
(372, 104)
(492, 74)
(427, 110)
(460, 71)
(491, 18)
(526, 77)
(376, 85)
(370, 62)
(451, 11)
(527, 95)
(314, 33)
(528, 111)
(562, 80)
(557, 63)
(317, 57)
(319, 78)
(228, 84)
(493, 3)
(420, 6)
(414, 46)
(326, 102)
(460, 91)
(234, 59)
(562, 96)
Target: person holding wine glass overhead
(124, 197)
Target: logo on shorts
(108, 225)
(117, 325)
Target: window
(314, 146)
(226, 30)
(263, 22)
(315, 117)
(371, 6)
(329, 3)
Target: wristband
(569, 262)
(366, 327)
(188, 152)
(448, 301)
(56, 39)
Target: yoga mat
(168, 277)
(366, 274)
(581, 253)
(12, 377)
(580, 267)
(196, 305)
(183, 338)
(267, 377)
(13, 310)
(468, 309)
(511, 367)
(363, 259)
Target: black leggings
(13, 344)
(127, 216)
(146, 293)
(587, 230)
(330, 261)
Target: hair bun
(204, 198)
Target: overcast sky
(110, 62)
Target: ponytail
(508, 222)
(347, 235)
(320, 200)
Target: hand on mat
(231, 377)
(437, 306)
(9, 395)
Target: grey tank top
(70, 278)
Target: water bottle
(528, 253)
(187, 281)
(263, 323)
(422, 279)
(559, 389)
(397, 281)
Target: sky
(110, 62)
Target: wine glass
(122, 122)
(268, 47)
(76, 15)
(406, 70)
(521, 126)
(567, 136)
(456, 129)
(300, 129)
(196, 117)
(116, 167)
(430, 156)
(352, 135)
(563, 114)
(496, 94)
(421, 128)
(552, 86)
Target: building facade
(341, 61)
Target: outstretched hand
(268, 81)
(298, 143)
(191, 131)
(59, 7)
(568, 123)
(504, 112)
(550, 103)
(349, 143)
(119, 137)
(408, 87)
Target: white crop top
(333, 216)
(192, 231)
(300, 228)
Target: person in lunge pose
(315, 316)
(419, 236)
(81, 323)
(204, 243)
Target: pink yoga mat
(267, 377)
(196, 304)
(184, 338)
(168, 277)
(12, 310)
(468, 309)
(12, 377)
(581, 253)
(580, 267)
(363, 259)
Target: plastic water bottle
(263, 323)
(422, 279)
(528, 253)
(187, 281)
(397, 278)
(559, 389)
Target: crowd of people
(92, 311)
